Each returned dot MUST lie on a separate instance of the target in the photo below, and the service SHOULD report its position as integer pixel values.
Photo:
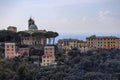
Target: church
(31, 40)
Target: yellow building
(82, 43)
(49, 55)
(107, 42)
(83, 46)
(67, 44)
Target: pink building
(49, 50)
(49, 56)
(23, 51)
(10, 50)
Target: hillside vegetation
(99, 64)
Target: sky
(63, 16)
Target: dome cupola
(31, 24)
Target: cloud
(84, 20)
(103, 14)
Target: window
(47, 60)
(43, 56)
(33, 39)
(7, 46)
(12, 46)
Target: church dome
(33, 27)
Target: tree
(55, 34)
(23, 34)
(6, 36)
(50, 35)
(38, 34)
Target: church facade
(33, 40)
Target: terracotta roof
(94, 36)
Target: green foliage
(38, 34)
(99, 64)
(51, 35)
(94, 65)
(6, 35)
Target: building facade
(23, 52)
(83, 46)
(12, 28)
(10, 50)
(106, 42)
(49, 55)
(68, 44)
(34, 40)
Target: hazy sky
(63, 16)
